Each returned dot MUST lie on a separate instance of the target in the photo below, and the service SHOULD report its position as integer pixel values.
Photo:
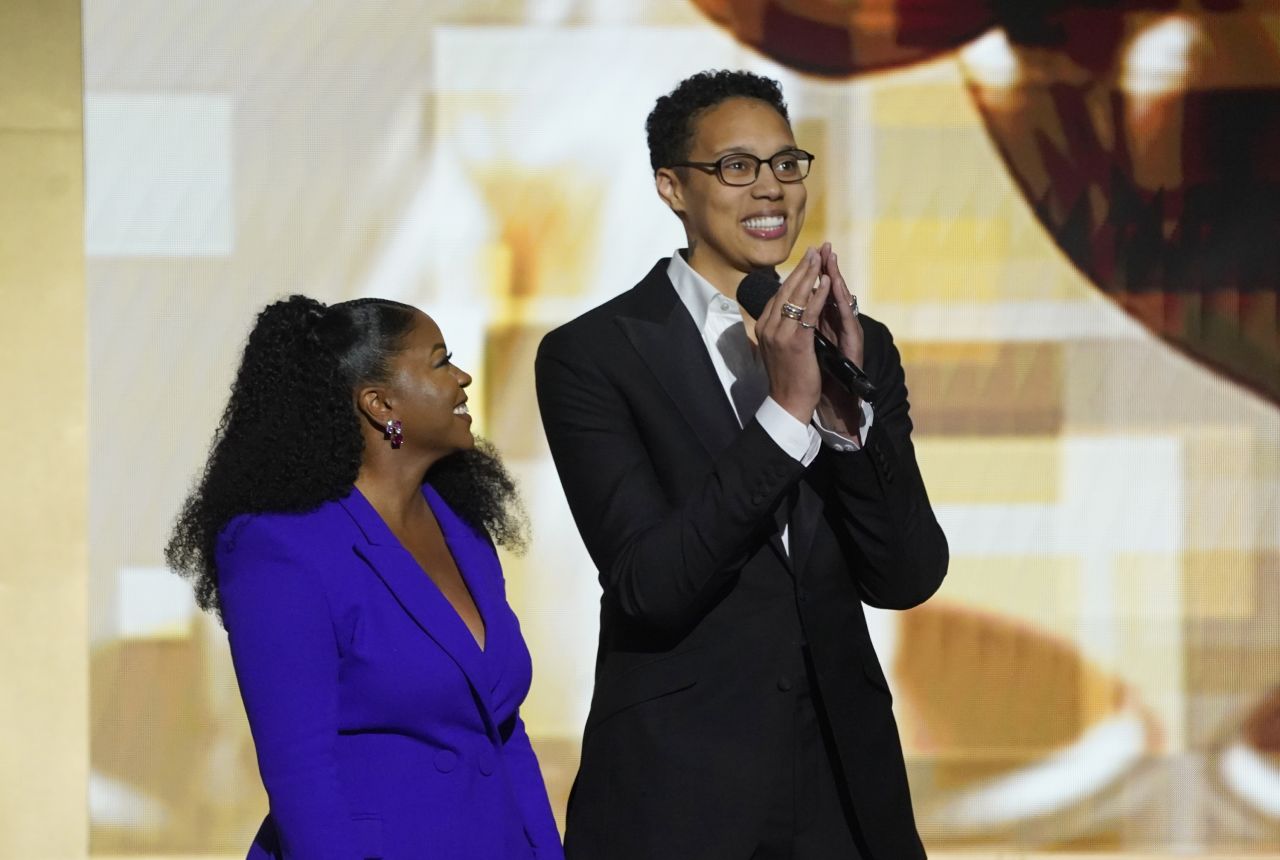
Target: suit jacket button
(446, 760)
(784, 684)
(486, 762)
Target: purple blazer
(382, 729)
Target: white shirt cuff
(840, 442)
(801, 441)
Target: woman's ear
(372, 401)
(670, 188)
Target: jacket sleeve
(880, 500)
(286, 661)
(659, 562)
(531, 794)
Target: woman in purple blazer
(342, 530)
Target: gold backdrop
(44, 691)
(1099, 671)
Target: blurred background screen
(1066, 212)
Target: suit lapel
(478, 563)
(805, 514)
(419, 596)
(668, 341)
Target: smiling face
(425, 392)
(735, 229)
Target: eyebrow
(746, 150)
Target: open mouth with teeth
(461, 409)
(766, 226)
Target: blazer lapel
(419, 596)
(478, 563)
(668, 341)
(803, 523)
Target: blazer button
(446, 760)
(784, 684)
(486, 762)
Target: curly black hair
(670, 124)
(290, 440)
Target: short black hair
(670, 123)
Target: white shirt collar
(696, 292)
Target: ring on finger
(804, 324)
(853, 305)
(791, 311)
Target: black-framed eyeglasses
(743, 168)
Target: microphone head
(756, 289)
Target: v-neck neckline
(447, 522)
(432, 503)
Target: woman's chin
(770, 256)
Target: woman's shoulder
(272, 567)
(288, 533)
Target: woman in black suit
(739, 511)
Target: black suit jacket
(703, 613)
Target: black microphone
(754, 293)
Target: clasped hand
(785, 337)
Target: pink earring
(395, 432)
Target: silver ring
(791, 312)
(853, 305)
(804, 324)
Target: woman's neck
(717, 273)
(396, 494)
